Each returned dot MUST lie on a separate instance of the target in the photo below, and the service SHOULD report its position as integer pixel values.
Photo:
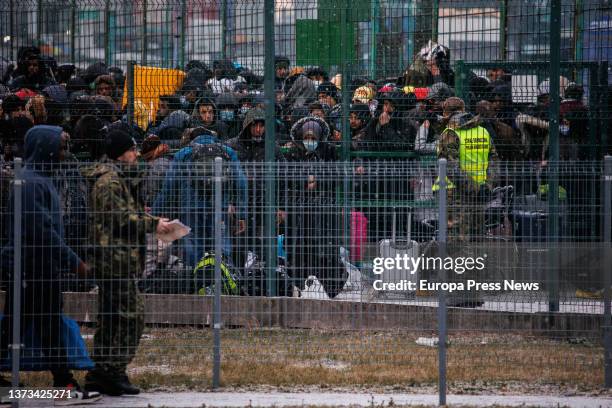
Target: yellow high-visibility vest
(474, 147)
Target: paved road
(277, 399)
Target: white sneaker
(79, 398)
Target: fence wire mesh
(314, 253)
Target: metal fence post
(270, 140)
(223, 29)
(107, 34)
(503, 29)
(217, 297)
(605, 267)
(12, 16)
(578, 29)
(443, 216)
(130, 92)
(176, 38)
(182, 29)
(145, 45)
(73, 30)
(39, 23)
(460, 78)
(374, 9)
(595, 91)
(345, 84)
(553, 154)
(603, 101)
(17, 216)
(435, 15)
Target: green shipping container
(330, 10)
(320, 43)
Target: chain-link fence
(330, 246)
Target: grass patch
(181, 358)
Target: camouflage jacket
(118, 222)
(448, 148)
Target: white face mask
(564, 130)
(316, 83)
(373, 105)
(311, 145)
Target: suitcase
(391, 248)
(530, 219)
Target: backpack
(255, 282)
(203, 156)
(173, 277)
(204, 276)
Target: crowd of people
(131, 176)
(387, 114)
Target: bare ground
(385, 362)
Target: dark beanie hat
(328, 89)
(118, 142)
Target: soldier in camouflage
(118, 227)
(471, 156)
(469, 150)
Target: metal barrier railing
(341, 232)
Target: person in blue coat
(44, 255)
(178, 199)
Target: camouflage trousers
(466, 217)
(120, 324)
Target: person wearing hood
(392, 129)
(190, 92)
(281, 71)
(360, 121)
(205, 114)
(301, 92)
(310, 135)
(328, 94)
(45, 252)
(178, 198)
(119, 225)
(32, 73)
(250, 148)
(227, 107)
(176, 120)
(312, 224)
(250, 142)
